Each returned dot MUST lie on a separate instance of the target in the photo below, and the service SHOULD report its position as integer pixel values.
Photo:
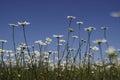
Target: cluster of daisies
(25, 54)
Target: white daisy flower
(57, 36)
(24, 23)
(95, 48)
(8, 51)
(40, 42)
(76, 37)
(62, 40)
(99, 41)
(1, 51)
(3, 41)
(71, 17)
(104, 28)
(48, 39)
(89, 29)
(13, 25)
(111, 51)
(70, 29)
(79, 22)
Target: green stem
(24, 33)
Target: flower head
(79, 22)
(46, 57)
(40, 42)
(8, 51)
(83, 40)
(89, 29)
(76, 37)
(104, 28)
(48, 39)
(111, 51)
(24, 23)
(23, 45)
(99, 41)
(71, 17)
(70, 30)
(19, 75)
(13, 25)
(95, 48)
(90, 54)
(37, 53)
(46, 42)
(1, 51)
(115, 14)
(50, 51)
(62, 40)
(57, 36)
(3, 41)
(59, 44)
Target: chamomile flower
(83, 40)
(1, 51)
(104, 28)
(13, 25)
(24, 23)
(48, 39)
(36, 52)
(50, 51)
(19, 75)
(89, 29)
(95, 48)
(46, 57)
(8, 51)
(90, 54)
(3, 41)
(58, 36)
(40, 42)
(108, 66)
(60, 44)
(75, 37)
(62, 41)
(99, 41)
(43, 44)
(46, 42)
(111, 51)
(79, 22)
(46, 53)
(22, 45)
(71, 17)
(70, 30)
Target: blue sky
(48, 17)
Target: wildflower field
(72, 58)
